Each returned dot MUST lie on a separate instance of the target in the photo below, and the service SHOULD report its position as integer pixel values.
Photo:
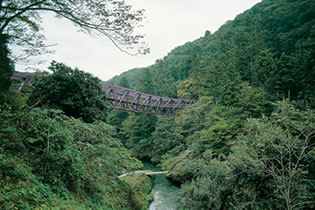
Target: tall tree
(6, 68)
(146, 83)
(195, 70)
(124, 82)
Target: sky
(168, 24)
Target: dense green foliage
(269, 165)
(77, 93)
(51, 160)
(6, 68)
(238, 147)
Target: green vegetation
(264, 163)
(56, 150)
(75, 92)
(247, 144)
(6, 68)
(141, 186)
(50, 160)
(131, 76)
(59, 153)
(251, 136)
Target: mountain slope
(275, 35)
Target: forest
(248, 143)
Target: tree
(207, 33)
(114, 19)
(196, 72)
(6, 68)
(163, 76)
(77, 93)
(265, 71)
(138, 129)
(165, 137)
(124, 82)
(146, 84)
(209, 186)
(187, 89)
(116, 117)
(222, 124)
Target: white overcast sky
(168, 24)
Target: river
(164, 192)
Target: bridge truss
(134, 101)
(23, 78)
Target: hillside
(250, 137)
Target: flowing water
(164, 192)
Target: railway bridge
(124, 98)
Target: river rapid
(164, 192)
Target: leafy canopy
(77, 93)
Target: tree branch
(113, 19)
(22, 10)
